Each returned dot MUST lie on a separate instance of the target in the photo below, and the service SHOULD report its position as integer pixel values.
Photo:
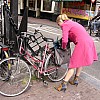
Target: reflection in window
(32, 4)
(57, 8)
(47, 4)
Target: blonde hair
(62, 17)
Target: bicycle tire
(4, 70)
(55, 73)
(19, 77)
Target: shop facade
(34, 7)
(38, 8)
(50, 9)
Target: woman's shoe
(75, 81)
(62, 86)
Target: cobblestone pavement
(36, 91)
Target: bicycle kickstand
(45, 83)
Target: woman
(84, 52)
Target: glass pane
(57, 8)
(47, 5)
(32, 4)
(38, 3)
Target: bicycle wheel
(16, 76)
(55, 73)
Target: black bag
(62, 56)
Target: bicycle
(42, 60)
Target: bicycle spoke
(56, 73)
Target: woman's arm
(65, 32)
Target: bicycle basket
(62, 56)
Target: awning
(66, 0)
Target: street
(89, 81)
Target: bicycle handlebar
(44, 38)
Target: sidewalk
(36, 91)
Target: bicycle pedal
(45, 83)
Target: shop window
(47, 4)
(38, 3)
(32, 4)
(57, 8)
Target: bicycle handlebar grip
(48, 39)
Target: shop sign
(77, 13)
(77, 3)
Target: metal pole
(25, 4)
(2, 20)
(14, 12)
(90, 13)
(6, 23)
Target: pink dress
(84, 52)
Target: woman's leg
(78, 71)
(69, 74)
(63, 85)
(75, 80)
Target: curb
(91, 80)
